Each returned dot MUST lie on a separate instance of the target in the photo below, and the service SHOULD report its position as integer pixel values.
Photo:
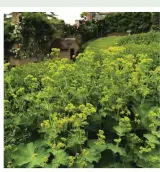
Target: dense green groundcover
(101, 111)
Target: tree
(83, 14)
(33, 33)
(155, 20)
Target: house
(96, 15)
(91, 16)
(68, 47)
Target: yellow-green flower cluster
(28, 77)
(137, 121)
(9, 164)
(116, 49)
(84, 164)
(82, 116)
(14, 95)
(6, 65)
(85, 152)
(125, 111)
(6, 101)
(8, 147)
(101, 137)
(154, 118)
(117, 140)
(47, 80)
(125, 124)
(44, 160)
(31, 81)
(20, 90)
(88, 109)
(59, 145)
(70, 107)
(45, 124)
(71, 160)
(34, 155)
(143, 149)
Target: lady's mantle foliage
(102, 111)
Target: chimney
(15, 17)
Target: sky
(69, 16)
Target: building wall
(20, 62)
(89, 16)
(76, 48)
(64, 54)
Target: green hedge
(137, 22)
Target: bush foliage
(102, 111)
(137, 22)
(34, 34)
(143, 38)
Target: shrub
(151, 50)
(155, 21)
(143, 38)
(148, 43)
(102, 111)
(55, 52)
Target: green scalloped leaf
(61, 158)
(116, 149)
(151, 138)
(98, 147)
(76, 139)
(31, 155)
(119, 130)
(143, 110)
(93, 155)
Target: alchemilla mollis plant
(101, 111)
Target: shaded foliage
(137, 22)
(37, 31)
